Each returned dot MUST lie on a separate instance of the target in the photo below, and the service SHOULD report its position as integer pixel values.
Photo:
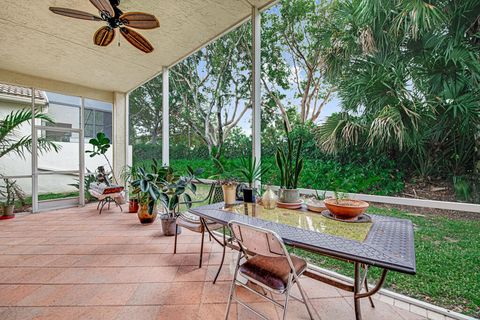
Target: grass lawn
(448, 261)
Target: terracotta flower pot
(144, 216)
(346, 209)
(133, 206)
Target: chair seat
(196, 226)
(272, 271)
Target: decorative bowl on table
(289, 205)
(346, 209)
(315, 205)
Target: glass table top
(304, 219)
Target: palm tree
(11, 142)
(408, 75)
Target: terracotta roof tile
(21, 92)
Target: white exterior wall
(66, 159)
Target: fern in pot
(290, 164)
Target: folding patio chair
(268, 265)
(193, 223)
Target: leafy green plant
(462, 188)
(146, 189)
(100, 146)
(290, 162)
(320, 197)
(12, 143)
(11, 192)
(252, 170)
(162, 185)
(173, 190)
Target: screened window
(97, 121)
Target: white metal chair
(268, 265)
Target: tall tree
(212, 88)
(146, 110)
(292, 57)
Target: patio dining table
(379, 241)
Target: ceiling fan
(115, 18)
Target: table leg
(357, 287)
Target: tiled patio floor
(76, 264)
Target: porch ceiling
(36, 42)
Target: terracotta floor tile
(150, 294)
(140, 313)
(76, 264)
(190, 273)
(333, 308)
(216, 311)
(10, 295)
(216, 293)
(182, 312)
(113, 294)
(382, 310)
(265, 308)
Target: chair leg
(287, 296)
(175, 243)
(232, 287)
(304, 297)
(201, 249)
(223, 257)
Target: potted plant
(290, 164)
(147, 193)
(344, 208)
(12, 191)
(252, 171)
(316, 204)
(229, 187)
(128, 175)
(172, 194)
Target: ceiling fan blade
(139, 20)
(104, 5)
(75, 14)
(137, 40)
(104, 36)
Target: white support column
(34, 157)
(165, 118)
(81, 153)
(120, 133)
(256, 94)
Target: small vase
(229, 193)
(249, 195)
(269, 199)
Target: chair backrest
(255, 240)
(215, 194)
